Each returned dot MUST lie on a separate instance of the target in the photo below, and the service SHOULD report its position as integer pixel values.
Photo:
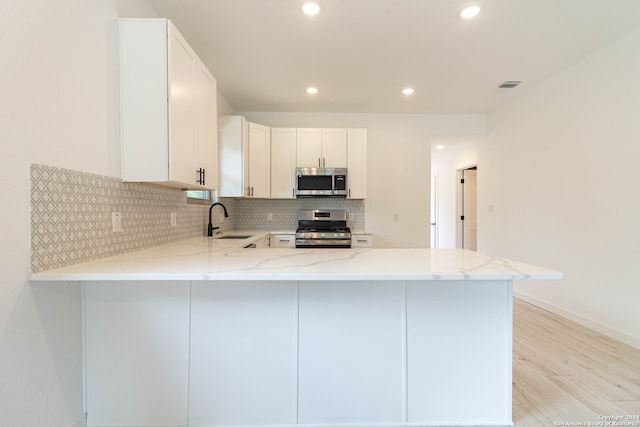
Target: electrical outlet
(174, 219)
(270, 216)
(116, 222)
(396, 217)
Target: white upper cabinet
(334, 148)
(322, 148)
(259, 161)
(245, 158)
(357, 163)
(309, 148)
(283, 163)
(167, 107)
(207, 129)
(234, 156)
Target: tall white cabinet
(167, 108)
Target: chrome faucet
(210, 228)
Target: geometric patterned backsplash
(71, 216)
(252, 214)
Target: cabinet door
(351, 358)
(232, 153)
(207, 130)
(243, 353)
(283, 163)
(459, 352)
(182, 115)
(259, 160)
(137, 352)
(357, 163)
(143, 100)
(334, 148)
(309, 148)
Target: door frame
(459, 202)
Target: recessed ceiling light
(311, 8)
(312, 90)
(407, 91)
(470, 12)
(439, 147)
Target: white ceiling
(360, 54)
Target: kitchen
(40, 381)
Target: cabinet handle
(324, 162)
(200, 179)
(204, 171)
(293, 193)
(248, 191)
(319, 164)
(349, 193)
(251, 191)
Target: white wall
(457, 154)
(558, 167)
(59, 107)
(399, 158)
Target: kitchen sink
(234, 237)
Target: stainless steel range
(322, 229)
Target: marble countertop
(206, 258)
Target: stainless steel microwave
(321, 182)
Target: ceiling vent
(510, 84)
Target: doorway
(467, 212)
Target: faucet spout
(210, 227)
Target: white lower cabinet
(137, 353)
(275, 353)
(351, 358)
(459, 352)
(283, 241)
(243, 353)
(361, 240)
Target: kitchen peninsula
(203, 332)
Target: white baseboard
(81, 421)
(591, 324)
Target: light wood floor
(564, 372)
